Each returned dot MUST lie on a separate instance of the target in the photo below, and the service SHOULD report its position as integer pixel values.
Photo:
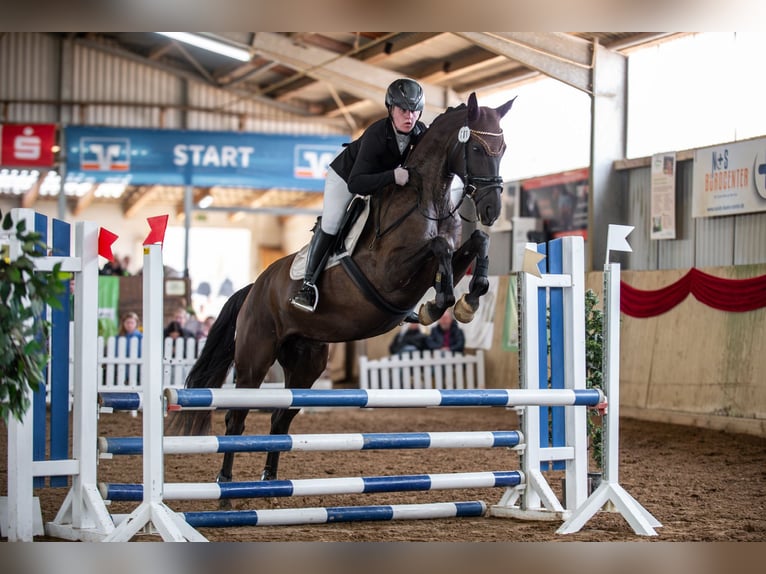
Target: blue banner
(199, 158)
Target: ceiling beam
(560, 56)
(82, 202)
(241, 94)
(30, 196)
(363, 80)
(140, 196)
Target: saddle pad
(298, 268)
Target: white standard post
(20, 432)
(83, 515)
(573, 264)
(153, 511)
(536, 499)
(610, 490)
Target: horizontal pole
(294, 516)
(178, 399)
(128, 401)
(65, 467)
(314, 442)
(315, 486)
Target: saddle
(348, 235)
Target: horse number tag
(463, 134)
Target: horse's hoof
(463, 311)
(424, 314)
(224, 504)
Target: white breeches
(336, 200)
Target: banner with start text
(199, 158)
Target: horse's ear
(502, 110)
(473, 108)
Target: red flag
(158, 226)
(105, 240)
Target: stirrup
(307, 298)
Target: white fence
(423, 370)
(119, 362)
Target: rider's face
(404, 120)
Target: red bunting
(158, 225)
(733, 295)
(105, 240)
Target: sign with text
(27, 145)
(663, 196)
(729, 179)
(199, 158)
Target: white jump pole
(153, 511)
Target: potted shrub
(594, 378)
(24, 329)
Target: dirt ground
(702, 485)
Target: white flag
(531, 259)
(616, 239)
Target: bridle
(473, 184)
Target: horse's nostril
(490, 215)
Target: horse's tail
(211, 367)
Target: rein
(473, 183)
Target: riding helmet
(405, 93)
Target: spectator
(129, 324)
(409, 339)
(129, 328)
(181, 317)
(175, 330)
(204, 327)
(114, 267)
(126, 265)
(446, 334)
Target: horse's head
(483, 145)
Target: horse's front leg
(477, 247)
(443, 283)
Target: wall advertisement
(729, 179)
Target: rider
(366, 165)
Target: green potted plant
(24, 329)
(594, 377)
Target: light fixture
(213, 45)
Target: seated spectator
(409, 339)
(204, 327)
(446, 334)
(114, 267)
(181, 316)
(129, 328)
(175, 330)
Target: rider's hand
(401, 176)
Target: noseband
(476, 183)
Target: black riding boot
(319, 250)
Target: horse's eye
(475, 148)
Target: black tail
(213, 363)
(211, 367)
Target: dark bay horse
(411, 241)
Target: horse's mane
(447, 112)
(433, 139)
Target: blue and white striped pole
(178, 399)
(315, 442)
(290, 516)
(317, 486)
